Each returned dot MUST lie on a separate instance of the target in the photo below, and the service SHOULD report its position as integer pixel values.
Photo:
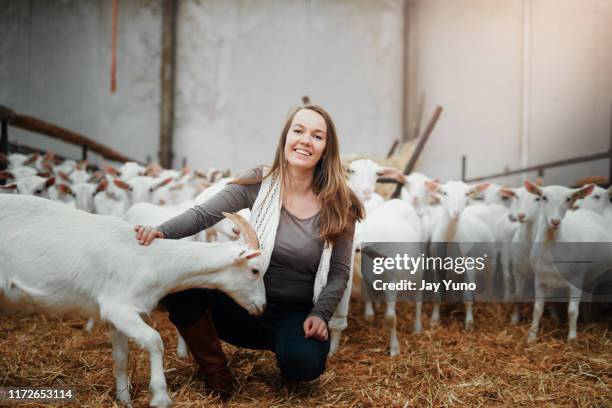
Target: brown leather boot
(201, 338)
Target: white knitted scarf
(265, 216)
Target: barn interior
(467, 90)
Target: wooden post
(84, 152)
(4, 146)
(419, 148)
(405, 72)
(168, 69)
(610, 151)
(463, 168)
(4, 137)
(393, 148)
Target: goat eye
(567, 200)
(255, 271)
(444, 193)
(597, 197)
(537, 198)
(151, 190)
(545, 198)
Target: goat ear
(532, 188)
(33, 157)
(249, 254)
(50, 181)
(82, 165)
(539, 181)
(506, 192)
(153, 169)
(185, 171)
(65, 189)
(96, 177)
(199, 174)
(102, 186)
(63, 176)
(582, 192)
(479, 188)
(3, 159)
(432, 186)
(122, 184)
(49, 156)
(110, 170)
(9, 187)
(392, 173)
(6, 175)
(163, 183)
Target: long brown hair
(340, 207)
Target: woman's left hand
(315, 327)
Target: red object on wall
(114, 47)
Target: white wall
(57, 68)
(467, 56)
(243, 65)
(502, 70)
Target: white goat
(598, 201)
(395, 221)
(460, 223)
(98, 268)
(149, 214)
(556, 224)
(32, 185)
(524, 209)
(112, 200)
(140, 189)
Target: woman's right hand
(146, 234)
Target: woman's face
(306, 140)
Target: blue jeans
(278, 329)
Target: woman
(314, 208)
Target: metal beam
(541, 167)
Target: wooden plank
(419, 148)
(36, 125)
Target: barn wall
(58, 69)
(243, 65)
(469, 57)
(240, 67)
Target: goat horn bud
(250, 236)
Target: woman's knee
(302, 361)
(186, 307)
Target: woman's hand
(315, 327)
(146, 234)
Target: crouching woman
(304, 214)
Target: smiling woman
(304, 214)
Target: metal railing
(540, 168)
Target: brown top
(297, 249)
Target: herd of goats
(68, 243)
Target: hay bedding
(445, 366)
